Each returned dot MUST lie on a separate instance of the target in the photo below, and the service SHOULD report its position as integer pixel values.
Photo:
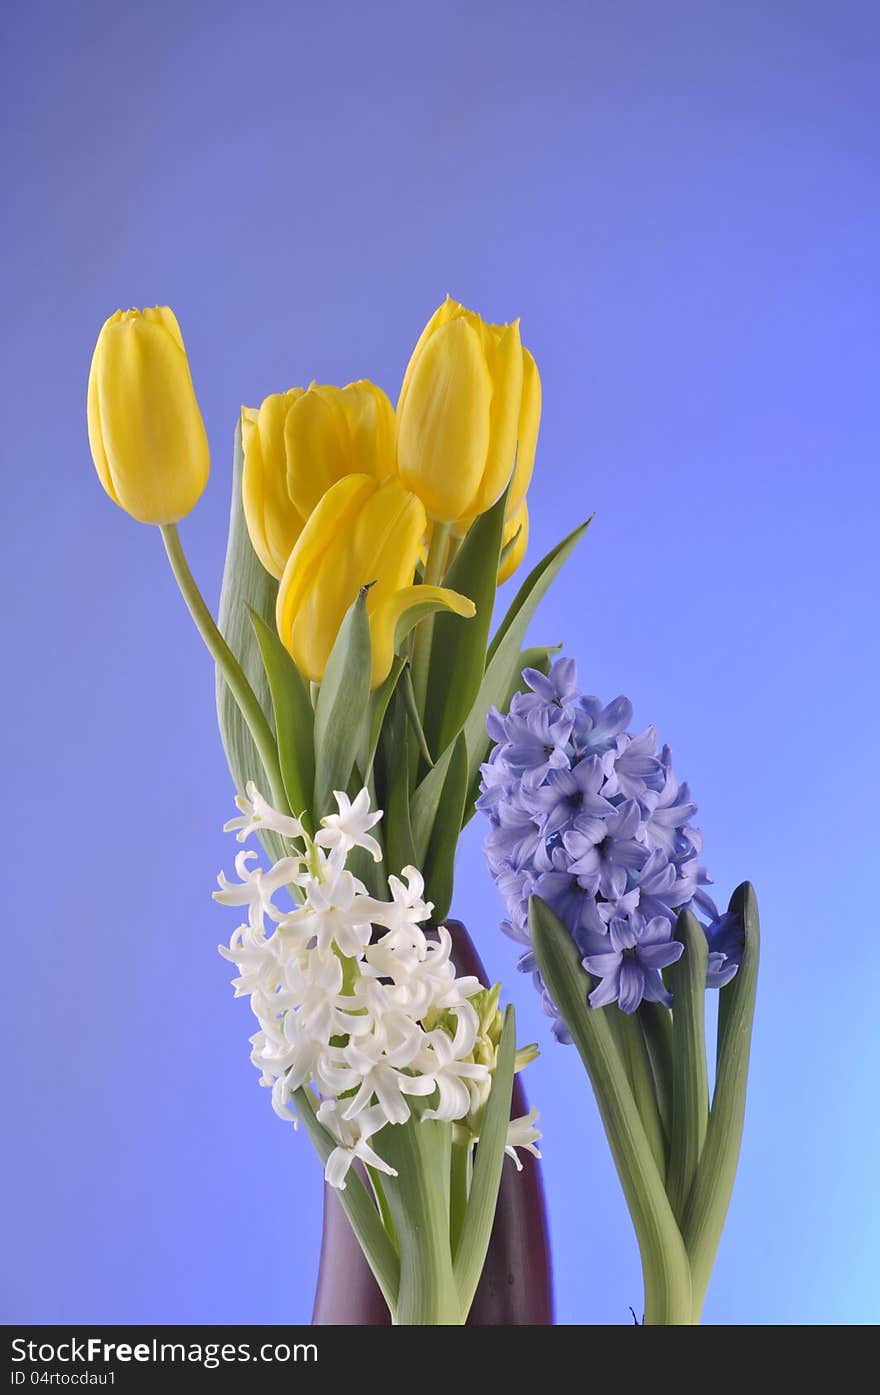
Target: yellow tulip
(362, 531)
(146, 432)
(469, 391)
(516, 533)
(296, 445)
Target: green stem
(642, 1083)
(713, 1185)
(226, 661)
(459, 1187)
(434, 568)
(419, 1199)
(358, 1205)
(412, 711)
(690, 1081)
(656, 1024)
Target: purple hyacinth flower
(535, 741)
(514, 841)
(635, 767)
(567, 795)
(629, 963)
(557, 688)
(725, 937)
(662, 888)
(570, 899)
(667, 812)
(605, 851)
(597, 727)
(497, 786)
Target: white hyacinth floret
(370, 1020)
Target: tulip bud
(461, 408)
(296, 445)
(362, 532)
(146, 432)
(516, 538)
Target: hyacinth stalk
(592, 846)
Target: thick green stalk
(359, 1206)
(433, 576)
(459, 1186)
(656, 1024)
(690, 1081)
(713, 1185)
(226, 661)
(664, 1259)
(419, 1200)
(641, 1079)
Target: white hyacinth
(370, 1023)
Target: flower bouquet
(367, 711)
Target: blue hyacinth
(594, 821)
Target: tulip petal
(400, 612)
(527, 433)
(444, 421)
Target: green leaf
(357, 1204)
(418, 1198)
(538, 580)
(664, 1260)
(342, 706)
(501, 669)
(713, 1185)
(294, 719)
(425, 801)
(246, 587)
(539, 658)
(459, 646)
(488, 1163)
(392, 771)
(439, 863)
(690, 1081)
(379, 701)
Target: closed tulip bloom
(516, 537)
(298, 444)
(362, 531)
(146, 432)
(459, 414)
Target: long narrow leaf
(690, 1081)
(246, 587)
(486, 1180)
(379, 701)
(458, 646)
(501, 668)
(537, 579)
(341, 712)
(358, 1205)
(294, 718)
(439, 864)
(711, 1192)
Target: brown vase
(516, 1286)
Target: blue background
(681, 201)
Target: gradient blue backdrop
(681, 201)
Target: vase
(516, 1286)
